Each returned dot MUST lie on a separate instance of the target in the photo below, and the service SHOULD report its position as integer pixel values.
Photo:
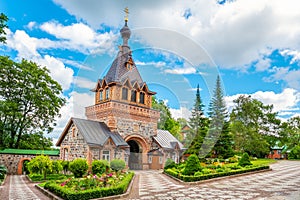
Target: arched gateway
(121, 123)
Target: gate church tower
(123, 102)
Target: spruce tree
(198, 124)
(218, 135)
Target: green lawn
(263, 161)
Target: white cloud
(182, 112)
(77, 64)
(84, 83)
(294, 54)
(155, 64)
(189, 70)
(31, 25)
(80, 37)
(234, 35)
(290, 76)
(75, 107)
(283, 102)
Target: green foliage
(3, 171)
(35, 141)
(200, 177)
(295, 153)
(40, 164)
(245, 160)
(290, 133)
(224, 146)
(99, 166)
(206, 171)
(169, 163)
(78, 167)
(192, 165)
(117, 164)
(65, 164)
(59, 189)
(57, 166)
(166, 122)
(199, 125)
(234, 159)
(3, 20)
(39, 177)
(252, 125)
(29, 101)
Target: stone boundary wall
(14, 162)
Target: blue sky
(253, 45)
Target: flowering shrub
(91, 186)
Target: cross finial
(126, 13)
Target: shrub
(65, 164)
(98, 192)
(99, 166)
(117, 164)
(295, 153)
(40, 164)
(206, 171)
(169, 163)
(78, 167)
(198, 174)
(192, 165)
(234, 159)
(245, 160)
(57, 166)
(3, 171)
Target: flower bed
(91, 186)
(210, 173)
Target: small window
(107, 93)
(106, 155)
(66, 154)
(150, 159)
(124, 93)
(133, 95)
(160, 160)
(74, 132)
(101, 95)
(142, 97)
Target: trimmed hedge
(66, 193)
(40, 177)
(186, 178)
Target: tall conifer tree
(218, 134)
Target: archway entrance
(21, 165)
(136, 156)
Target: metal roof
(54, 152)
(93, 132)
(166, 140)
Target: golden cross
(126, 12)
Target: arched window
(101, 95)
(142, 97)
(133, 95)
(124, 93)
(107, 93)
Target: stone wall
(73, 145)
(14, 162)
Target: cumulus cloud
(80, 37)
(189, 70)
(182, 112)
(233, 34)
(84, 83)
(294, 54)
(283, 102)
(74, 107)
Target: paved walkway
(282, 183)
(18, 187)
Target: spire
(125, 31)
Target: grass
(263, 161)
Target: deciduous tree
(29, 101)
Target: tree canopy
(3, 20)
(254, 126)
(29, 101)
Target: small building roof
(54, 152)
(93, 132)
(166, 140)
